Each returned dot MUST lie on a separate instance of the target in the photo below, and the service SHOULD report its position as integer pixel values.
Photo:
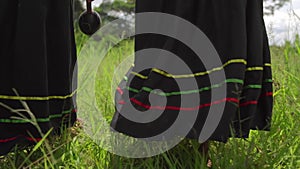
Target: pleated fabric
(37, 52)
(237, 31)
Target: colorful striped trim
(254, 69)
(33, 139)
(234, 100)
(268, 81)
(15, 138)
(120, 90)
(268, 64)
(253, 87)
(37, 98)
(8, 139)
(139, 75)
(39, 120)
(183, 92)
(254, 102)
(242, 61)
(267, 94)
(192, 91)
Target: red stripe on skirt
(248, 103)
(15, 138)
(253, 102)
(183, 108)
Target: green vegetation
(277, 149)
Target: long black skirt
(37, 52)
(237, 31)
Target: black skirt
(37, 51)
(237, 31)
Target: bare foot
(209, 163)
(203, 150)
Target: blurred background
(282, 17)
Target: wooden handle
(89, 6)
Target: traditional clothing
(37, 51)
(237, 31)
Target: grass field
(276, 149)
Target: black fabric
(37, 51)
(236, 29)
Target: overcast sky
(281, 26)
(284, 24)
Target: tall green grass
(276, 149)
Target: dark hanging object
(89, 21)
